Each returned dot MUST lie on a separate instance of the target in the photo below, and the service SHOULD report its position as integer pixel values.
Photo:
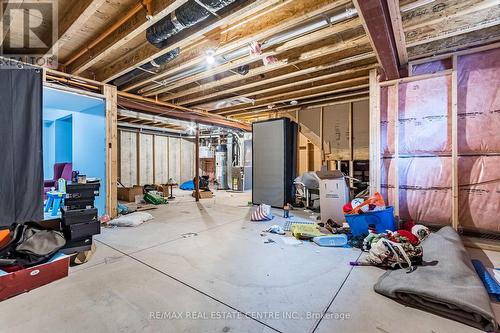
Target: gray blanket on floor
(446, 284)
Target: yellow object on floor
(305, 231)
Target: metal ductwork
(148, 68)
(187, 15)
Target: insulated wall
(152, 159)
(418, 147)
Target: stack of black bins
(79, 216)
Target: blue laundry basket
(382, 219)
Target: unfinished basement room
(258, 166)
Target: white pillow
(131, 220)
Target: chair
(61, 170)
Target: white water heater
(221, 167)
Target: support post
(396, 151)
(351, 147)
(322, 148)
(374, 133)
(454, 144)
(197, 164)
(110, 93)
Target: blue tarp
(187, 186)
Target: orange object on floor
(4, 237)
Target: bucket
(382, 219)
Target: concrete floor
(206, 268)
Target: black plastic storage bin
(71, 204)
(75, 216)
(87, 241)
(82, 191)
(82, 230)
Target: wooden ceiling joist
(148, 52)
(296, 43)
(135, 23)
(442, 10)
(279, 86)
(357, 43)
(455, 43)
(377, 23)
(280, 17)
(74, 19)
(342, 98)
(298, 95)
(454, 26)
(397, 28)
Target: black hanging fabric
(21, 165)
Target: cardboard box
(204, 194)
(128, 193)
(27, 279)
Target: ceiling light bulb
(294, 102)
(210, 57)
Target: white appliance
(333, 195)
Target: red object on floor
(27, 279)
(411, 237)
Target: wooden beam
(139, 103)
(133, 24)
(246, 60)
(377, 23)
(148, 52)
(279, 17)
(256, 73)
(397, 28)
(74, 19)
(457, 26)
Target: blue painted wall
(64, 139)
(80, 122)
(48, 149)
(89, 147)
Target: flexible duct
(147, 68)
(190, 13)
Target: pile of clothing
(401, 248)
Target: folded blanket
(446, 284)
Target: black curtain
(21, 166)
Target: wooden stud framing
(396, 150)
(322, 148)
(374, 133)
(454, 144)
(111, 150)
(351, 146)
